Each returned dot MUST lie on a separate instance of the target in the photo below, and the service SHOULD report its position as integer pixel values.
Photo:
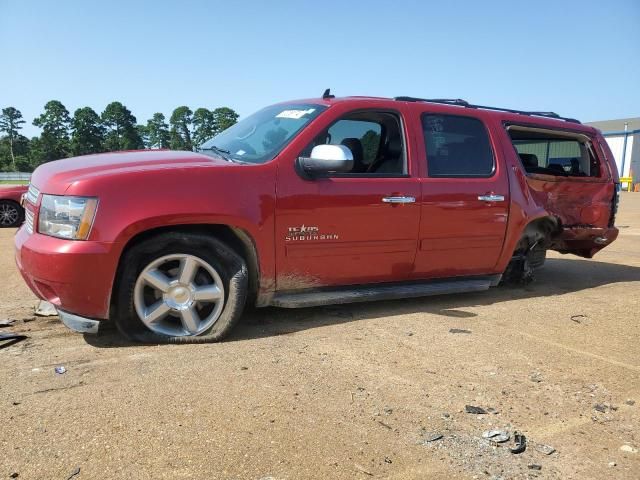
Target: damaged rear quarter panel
(573, 201)
(581, 206)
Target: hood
(56, 177)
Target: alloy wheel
(9, 215)
(179, 295)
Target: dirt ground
(344, 392)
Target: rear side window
(457, 146)
(558, 154)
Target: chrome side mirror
(327, 159)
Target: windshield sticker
(295, 114)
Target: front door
(353, 228)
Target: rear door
(465, 196)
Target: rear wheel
(180, 288)
(11, 214)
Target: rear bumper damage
(584, 241)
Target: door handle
(399, 199)
(491, 197)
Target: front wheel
(11, 214)
(180, 288)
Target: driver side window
(375, 140)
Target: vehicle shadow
(557, 277)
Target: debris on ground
(496, 436)
(612, 464)
(360, 468)
(534, 466)
(60, 370)
(520, 443)
(628, 449)
(45, 309)
(545, 449)
(6, 323)
(604, 407)
(428, 437)
(387, 410)
(385, 425)
(475, 410)
(630, 402)
(536, 377)
(8, 339)
(74, 473)
(459, 330)
(578, 318)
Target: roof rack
(463, 103)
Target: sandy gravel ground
(348, 392)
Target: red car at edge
(11, 210)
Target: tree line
(116, 128)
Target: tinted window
(456, 146)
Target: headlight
(67, 217)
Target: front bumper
(78, 323)
(75, 276)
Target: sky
(578, 58)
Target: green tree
(11, 123)
(224, 117)
(37, 155)
(87, 132)
(181, 120)
(204, 126)
(144, 135)
(54, 123)
(21, 151)
(121, 131)
(157, 132)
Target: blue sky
(578, 58)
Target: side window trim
(494, 168)
(403, 134)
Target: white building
(623, 137)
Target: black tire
(10, 204)
(230, 266)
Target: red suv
(314, 202)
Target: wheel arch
(539, 229)
(236, 238)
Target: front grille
(32, 194)
(28, 221)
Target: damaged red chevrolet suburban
(313, 202)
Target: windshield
(261, 136)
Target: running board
(367, 293)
